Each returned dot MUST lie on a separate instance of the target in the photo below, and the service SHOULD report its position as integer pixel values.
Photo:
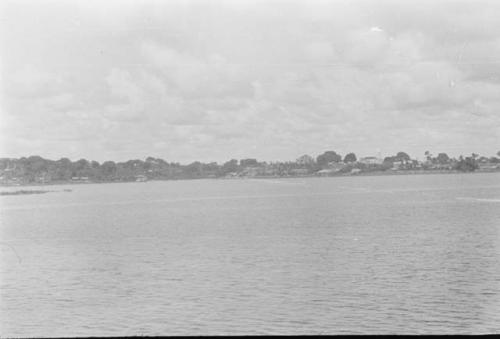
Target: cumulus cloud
(210, 81)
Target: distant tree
(466, 165)
(248, 162)
(82, 168)
(498, 153)
(33, 167)
(109, 169)
(36, 164)
(211, 168)
(230, 166)
(386, 165)
(402, 156)
(4, 163)
(428, 155)
(133, 165)
(327, 157)
(64, 162)
(305, 160)
(64, 170)
(95, 168)
(443, 158)
(82, 163)
(390, 160)
(350, 157)
(194, 169)
(36, 169)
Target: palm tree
(428, 155)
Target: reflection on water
(397, 254)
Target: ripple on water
(375, 256)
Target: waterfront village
(37, 170)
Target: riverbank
(334, 175)
(27, 192)
(23, 192)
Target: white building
(371, 161)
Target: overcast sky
(214, 80)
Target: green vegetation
(35, 169)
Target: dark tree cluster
(468, 164)
(35, 169)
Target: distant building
(488, 166)
(251, 171)
(43, 179)
(336, 166)
(80, 179)
(432, 166)
(398, 165)
(326, 172)
(141, 178)
(371, 161)
(232, 175)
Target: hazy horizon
(271, 80)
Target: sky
(272, 80)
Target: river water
(417, 254)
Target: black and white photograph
(249, 167)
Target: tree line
(34, 169)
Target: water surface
(412, 254)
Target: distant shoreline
(24, 192)
(35, 170)
(361, 174)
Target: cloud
(211, 75)
(210, 81)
